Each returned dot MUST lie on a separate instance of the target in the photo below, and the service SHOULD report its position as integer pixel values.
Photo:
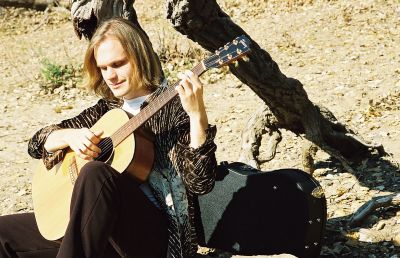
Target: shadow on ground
(373, 236)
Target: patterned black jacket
(179, 174)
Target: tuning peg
(235, 63)
(245, 58)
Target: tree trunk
(87, 14)
(204, 22)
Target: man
(111, 212)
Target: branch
(372, 205)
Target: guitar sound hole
(107, 150)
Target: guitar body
(52, 189)
(250, 212)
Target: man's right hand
(82, 141)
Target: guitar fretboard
(152, 108)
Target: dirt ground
(346, 54)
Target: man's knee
(9, 224)
(95, 171)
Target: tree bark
(204, 22)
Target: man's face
(116, 69)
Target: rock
(396, 240)
(380, 187)
(340, 213)
(380, 225)
(227, 129)
(58, 109)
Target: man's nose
(110, 73)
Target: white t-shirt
(133, 105)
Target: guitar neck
(151, 109)
(227, 54)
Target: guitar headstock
(232, 51)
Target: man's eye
(117, 64)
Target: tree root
(262, 122)
(370, 206)
(309, 152)
(274, 139)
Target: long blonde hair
(147, 70)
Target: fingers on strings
(189, 83)
(87, 148)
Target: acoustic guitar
(121, 147)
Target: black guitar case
(250, 212)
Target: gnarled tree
(287, 103)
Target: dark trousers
(105, 206)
